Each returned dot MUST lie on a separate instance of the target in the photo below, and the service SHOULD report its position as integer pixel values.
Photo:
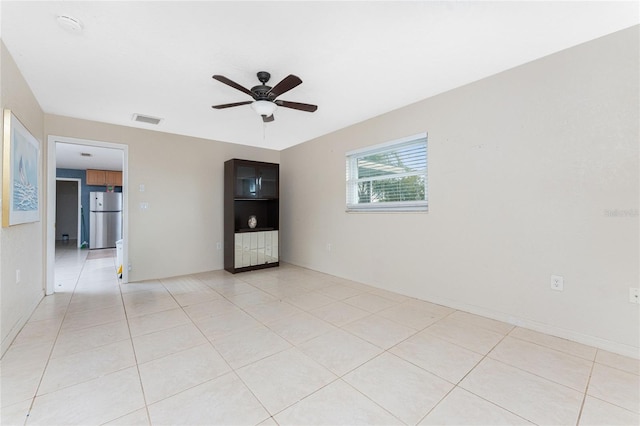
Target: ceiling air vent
(146, 119)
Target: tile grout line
(55, 341)
(271, 416)
(586, 389)
(231, 369)
(35, 395)
(550, 347)
(338, 377)
(293, 345)
(278, 298)
(135, 357)
(457, 385)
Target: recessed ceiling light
(69, 23)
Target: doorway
(53, 143)
(69, 229)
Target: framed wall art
(20, 173)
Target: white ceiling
(357, 59)
(82, 157)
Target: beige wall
(526, 171)
(21, 246)
(183, 179)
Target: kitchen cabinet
(104, 177)
(96, 177)
(251, 215)
(113, 178)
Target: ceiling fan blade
(297, 105)
(268, 119)
(233, 84)
(231, 105)
(288, 83)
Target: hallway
(70, 261)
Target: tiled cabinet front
(256, 248)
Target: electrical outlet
(634, 295)
(18, 276)
(219, 245)
(328, 246)
(557, 283)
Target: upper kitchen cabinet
(96, 177)
(104, 177)
(113, 178)
(255, 179)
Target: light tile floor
(291, 346)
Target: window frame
(352, 206)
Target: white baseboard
(585, 339)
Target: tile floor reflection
(290, 346)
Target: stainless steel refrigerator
(105, 219)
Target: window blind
(392, 176)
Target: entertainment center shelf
(251, 215)
(240, 231)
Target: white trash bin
(119, 258)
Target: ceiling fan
(264, 97)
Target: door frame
(50, 237)
(79, 232)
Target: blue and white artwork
(24, 171)
(25, 177)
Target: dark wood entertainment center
(251, 215)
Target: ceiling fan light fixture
(265, 99)
(264, 108)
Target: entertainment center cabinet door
(237, 260)
(268, 258)
(261, 257)
(254, 248)
(274, 246)
(268, 181)
(246, 249)
(271, 246)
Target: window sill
(407, 209)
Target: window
(389, 177)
